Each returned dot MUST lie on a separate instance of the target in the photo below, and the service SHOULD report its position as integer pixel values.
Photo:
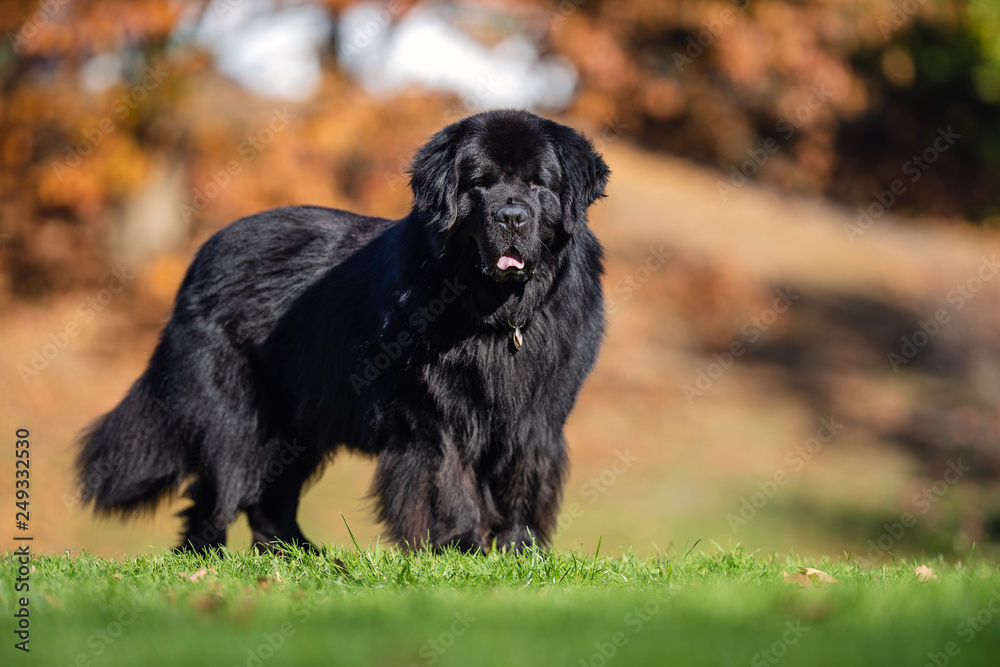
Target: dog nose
(511, 216)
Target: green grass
(384, 607)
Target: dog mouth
(509, 266)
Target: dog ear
(585, 174)
(434, 181)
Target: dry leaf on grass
(807, 576)
(924, 573)
(800, 579)
(201, 573)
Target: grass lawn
(383, 607)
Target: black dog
(451, 343)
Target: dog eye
(482, 182)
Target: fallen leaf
(807, 576)
(200, 574)
(924, 573)
(797, 578)
(116, 576)
(818, 576)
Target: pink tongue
(507, 261)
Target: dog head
(505, 185)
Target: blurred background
(802, 253)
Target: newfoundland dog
(451, 344)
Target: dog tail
(128, 460)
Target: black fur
(302, 329)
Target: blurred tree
(99, 99)
(716, 81)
